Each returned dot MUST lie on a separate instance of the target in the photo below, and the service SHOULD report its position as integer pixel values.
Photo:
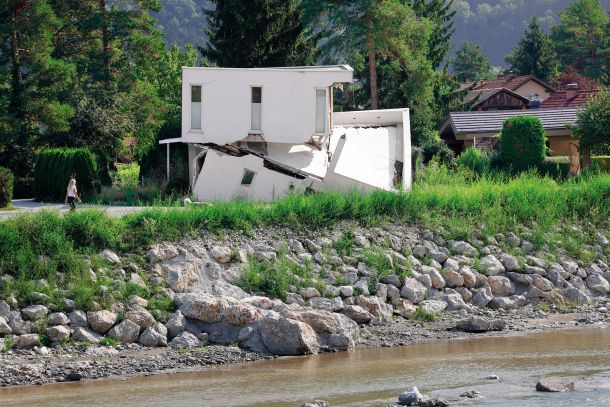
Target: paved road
(29, 206)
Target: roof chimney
(571, 91)
(500, 76)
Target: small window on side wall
(256, 106)
(321, 111)
(196, 107)
(248, 177)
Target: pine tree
(534, 53)
(471, 64)
(257, 33)
(582, 38)
(442, 14)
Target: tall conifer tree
(534, 53)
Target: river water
(367, 377)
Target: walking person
(72, 195)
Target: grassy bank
(36, 246)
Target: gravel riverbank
(76, 362)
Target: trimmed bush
(523, 142)
(6, 187)
(475, 160)
(54, 168)
(555, 167)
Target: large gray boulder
(357, 314)
(154, 336)
(491, 266)
(461, 247)
(335, 331)
(470, 278)
(27, 340)
(597, 283)
(140, 317)
(413, 290)
(83, 334)
(509, 262)
(575, 295)
(181, 271)
(78, 318)
(287, 337)
(481, 324)
(501, 286)
(201, 307)
(58, 318)
(326, 304)
(58, 333)
(436, 278)
(482, 297)
(433, 306)
(126, 332)
(35, 312)
(185, 340)
(453, 278)
(17, 324)
(176, 324)
(101, 321)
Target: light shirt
(72, 191)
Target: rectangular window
(196, 107)
(321, 111)
(255, 110)
(248, 177)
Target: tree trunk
(105, 45)
(373, 76)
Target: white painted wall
(221, 175)
(288, 102)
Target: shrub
(6, 187)
(54, 168)
(126, 175)
(523, 142)
(475, 160)
(555, 167)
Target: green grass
(422, 316)
(108, 341)
(39, 245)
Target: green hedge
(54, 168)
(523, 142)
(6, 187)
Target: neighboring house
(527, 86)
(496, 99)
(464, 129)
(258, 133)
(570, 97)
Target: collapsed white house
(258, 133)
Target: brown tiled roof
(560, 99)
(486, 93)
(512, 82)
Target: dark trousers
(72, 203)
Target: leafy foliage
(592, 126)
(475, 160)
(55, 167)
(582, 38)
(534, 54)
(470, 64)
(6, 187)
(523, 142)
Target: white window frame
(190, 122)
(244, 174)
(252, 131)
(326, 112)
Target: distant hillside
(182, 21)
(498, 24)
(495, 24)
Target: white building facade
(258, 133)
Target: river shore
(77, 362)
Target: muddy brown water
(367, 377)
